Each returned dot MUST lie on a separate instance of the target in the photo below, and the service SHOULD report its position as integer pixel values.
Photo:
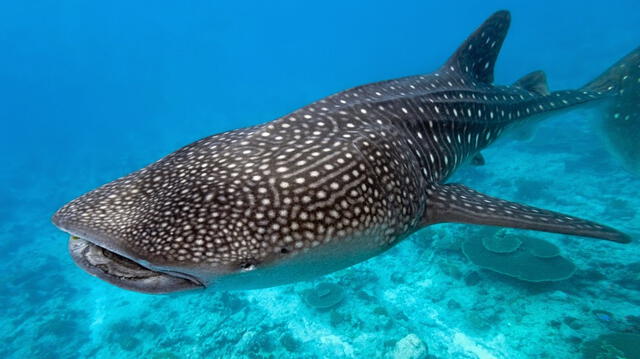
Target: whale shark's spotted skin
(324, 187)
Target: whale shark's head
(122, 233)
(177, 224)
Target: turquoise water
(93, 91)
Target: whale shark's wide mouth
(124, 272)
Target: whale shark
(331, 184)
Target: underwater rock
(614, 346)
(410, 347)
(324, 296)
(534, 260)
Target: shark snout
(106, 256)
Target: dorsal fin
(477, 55)
(535, 82)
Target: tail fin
(621, 121)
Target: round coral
(501, 242)
(521, 263)
(542, 249)
(324, 296)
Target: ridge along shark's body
(327, 186)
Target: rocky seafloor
(422, 299)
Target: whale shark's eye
(246, 266)
(284, 250)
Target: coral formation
(410, 347)
(541, 248)
(324, 296)
(501, 242)
(533, 259)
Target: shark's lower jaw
(123, 272)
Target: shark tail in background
(620, 124)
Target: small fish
(331, 184)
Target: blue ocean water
(94, 90)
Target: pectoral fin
(460, 204)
